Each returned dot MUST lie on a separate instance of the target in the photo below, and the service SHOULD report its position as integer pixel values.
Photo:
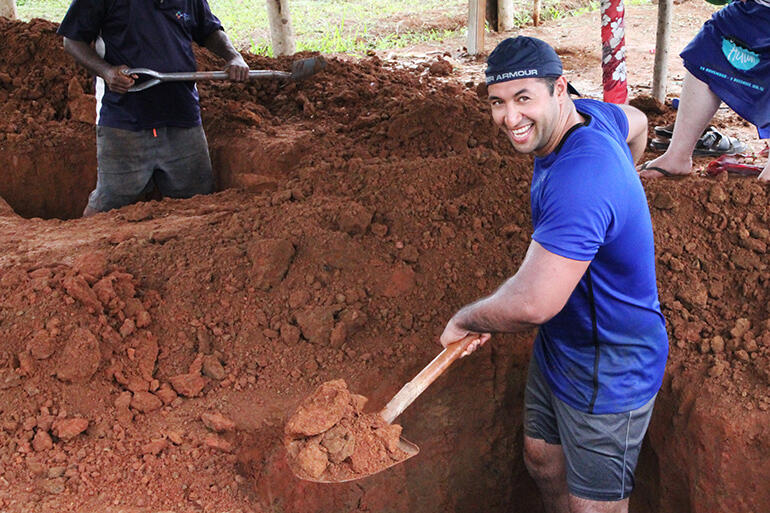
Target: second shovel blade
(304, 68)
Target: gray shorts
(175, 160)
(600, 451)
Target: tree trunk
(476, 17)
(659, 74)
(8, 9)
(505, 15)
(281, 31)
(536, 13)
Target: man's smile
(521, 134)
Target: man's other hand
(116, 80)
(237, 69)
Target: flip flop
(667, 174)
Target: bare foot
(665, 166)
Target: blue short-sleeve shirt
(154, 34)
(605, 352)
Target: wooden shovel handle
(421, 381)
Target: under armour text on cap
(523, 57)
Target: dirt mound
(150, 355)
(40, 88)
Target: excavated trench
(336, 249)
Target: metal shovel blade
(304, 68)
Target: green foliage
(261, 48)
(53, 10)
(347, 26)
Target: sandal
(714, 142)
(667, 131)
(659, 144)
(664, 131)
(711, 143)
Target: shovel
(407, 395)
(300, 70)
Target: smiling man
(587, 280)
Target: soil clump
(330, 438)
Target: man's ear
(560, 87)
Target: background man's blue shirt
(588, 204)
(154, 34)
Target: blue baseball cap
(523, 57)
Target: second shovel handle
(421, 381)
(178, 76)
(254, 73)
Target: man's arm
(87, 57)
(220, 44)
(637, 131)
(536, 293)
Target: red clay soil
(330, 438)
(151, 355)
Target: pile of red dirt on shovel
(330, 438)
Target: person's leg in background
(697, 105)
(125, 165)
(185, 166)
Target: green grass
(346, 26)
(49, 9)
(340, 26)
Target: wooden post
(536, 13)
(504, 15)
(476, 19)
(281, 31)
(8, 9)
(660, 71)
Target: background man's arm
(637, 131)
(220, 45)
(537, 292)
(87, 57)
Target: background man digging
(153, 135)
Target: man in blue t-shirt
(588, 281)
(152, 136)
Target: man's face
(528, 112)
